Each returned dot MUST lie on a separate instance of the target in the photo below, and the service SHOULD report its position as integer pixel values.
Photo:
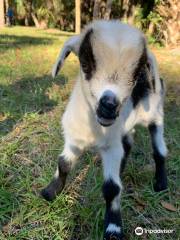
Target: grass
(31, 104)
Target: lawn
(31, 105)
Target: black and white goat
(118, 87)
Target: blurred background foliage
(159, 19)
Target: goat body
(117, 88)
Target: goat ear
(71, 45)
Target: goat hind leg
(159, 154)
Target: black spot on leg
(153, 130)
(153, 83)
(126, 145)
(110, 191)
(127, 148)
(162, 86)
(141, 81)
(112, 216)
(160, 173)
(57, 184)
(64, 166)
(86, 56)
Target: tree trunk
(170, 27)
(151, 28)
(6, 9)
(131, 15)
(108, 10)
(96, 10)
(35, 20)
(78, 16)
(28, 9)
(2, 19)
(61, 21)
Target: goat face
(109, 54)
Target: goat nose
(109, 102)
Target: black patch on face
(160, 174)
(86, 56)
(140, 78)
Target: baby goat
(118, 87)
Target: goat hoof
(47, 194)
(160, 186)
(113, 236)
(53, 189)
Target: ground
(31, 104)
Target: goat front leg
(65, 162)
(159, 154)
(112, 187)
(127, 145)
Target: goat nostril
(109, 102)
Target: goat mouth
(105, 122)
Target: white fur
(112, 156)
(159, 141)
(56, 175)
(113, 228)
(115, 204)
